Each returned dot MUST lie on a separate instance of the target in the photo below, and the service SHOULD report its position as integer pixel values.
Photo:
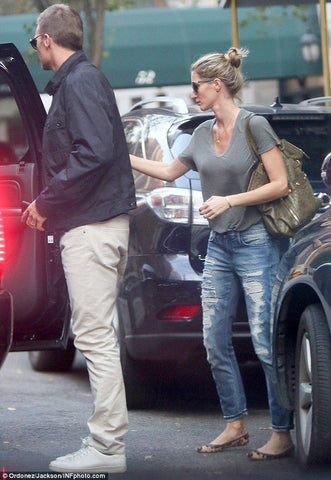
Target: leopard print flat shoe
(215, 448)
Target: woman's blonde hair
(225, 66)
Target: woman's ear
(218, 84)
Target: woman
(240, 250)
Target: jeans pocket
(256, 235)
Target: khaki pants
(94, 259)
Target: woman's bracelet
(228, 200)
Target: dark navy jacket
(87, 172)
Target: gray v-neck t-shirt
(228, 173)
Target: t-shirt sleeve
(263, 134)
(187, 155)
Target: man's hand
(32, 217)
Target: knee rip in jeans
(261, 351)
(208, 306)
(263, 354)
(208, 297)
(254, 289)
(209, 346)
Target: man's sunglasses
(195, 85)
(33, 41)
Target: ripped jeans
(249, 258)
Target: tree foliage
(92, 10)
(265, 16)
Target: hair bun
(235, 56)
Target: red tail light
(177, 313)
(2, 244)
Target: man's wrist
(39, 208)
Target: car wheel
(312, 387)
(53, 360)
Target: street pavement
(44, 416)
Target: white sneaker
(89, 460)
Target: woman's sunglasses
(195, 85)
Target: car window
(13, 141)
(140, 143)
(310, 133)
(180, 143)
(134, 137)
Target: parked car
(159, 310)
(302, 334)
(33, 299)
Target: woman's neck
(226, 115)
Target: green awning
(266, 3)
(156, 46)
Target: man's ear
(47, 40)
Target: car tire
(53, 360)
(312, 388)
(140, 386)
(139, 379)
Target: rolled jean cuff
(232, 418)
(283, 429)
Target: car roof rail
(316, 101)
(178, 104)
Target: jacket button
(59, 124)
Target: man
(88, 194)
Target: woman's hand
(214, 206)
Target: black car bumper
(180, 347)
(6, 324)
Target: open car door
(31, 269)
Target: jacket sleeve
(89, 103)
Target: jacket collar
(64, 70)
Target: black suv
(302, 335)
(159, 310)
